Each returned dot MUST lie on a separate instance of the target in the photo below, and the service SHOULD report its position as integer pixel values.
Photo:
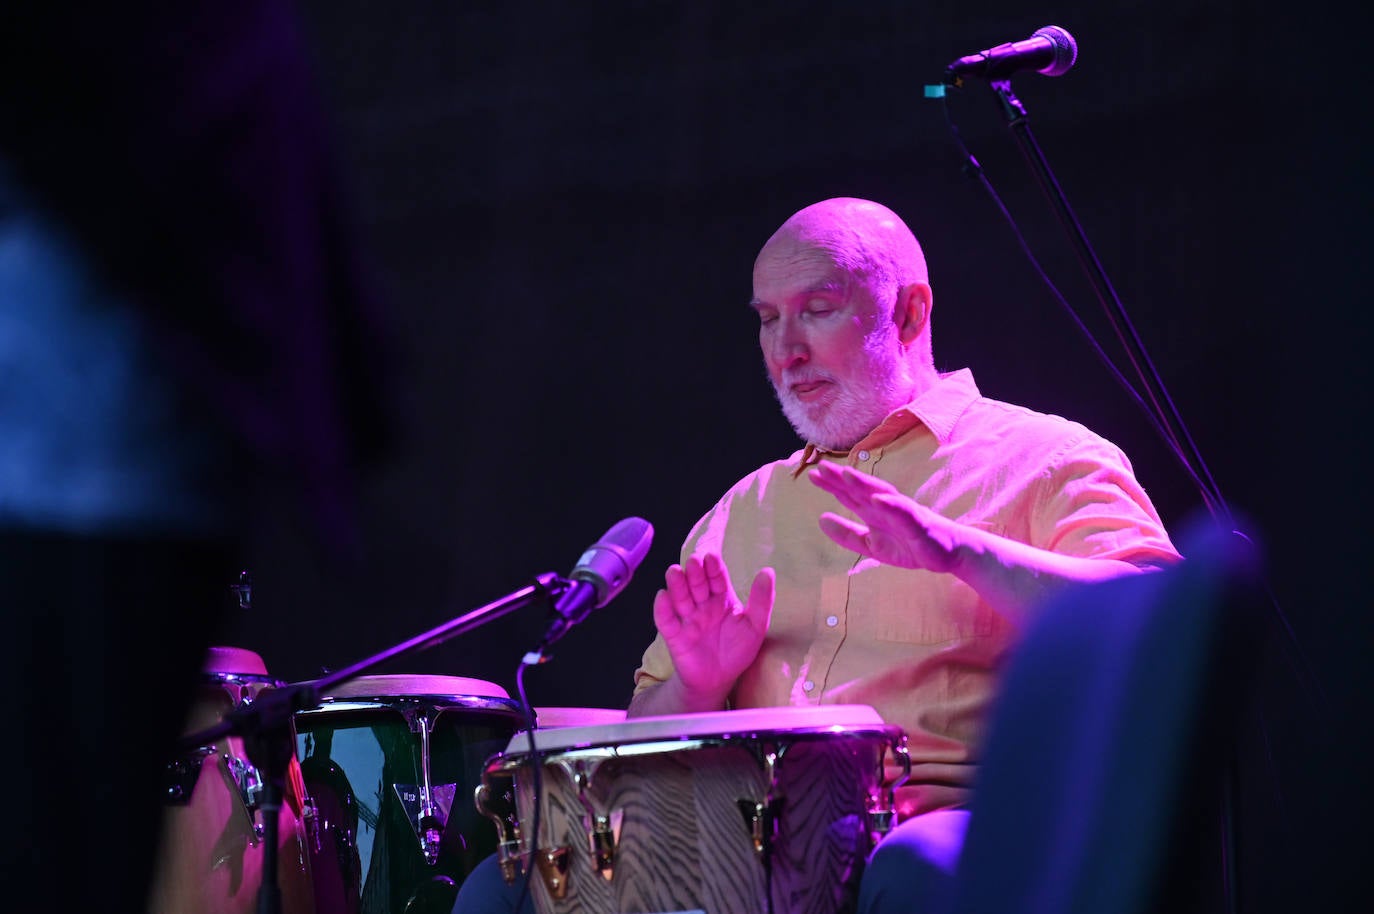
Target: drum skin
(210, 859)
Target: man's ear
(912, 313)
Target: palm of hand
(711, 636)
(715, 645)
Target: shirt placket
(832, 615)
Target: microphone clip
(555, 589)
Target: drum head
(577, 717)
(221, 659)
(742, 723)
(374, 687)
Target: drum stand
(265, 724)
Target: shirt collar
(938, 409)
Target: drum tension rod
(603, 829)
(427, 804)
(761, 817)
(509, 855)
(881, 808)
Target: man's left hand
(892, 528)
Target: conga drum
(732, 812)
(547, 717)
(211, 852)
(383, 758)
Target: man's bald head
(867, 239)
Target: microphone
(601, 574)
(1050, 50)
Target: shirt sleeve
(655, 667)
(1090, 504)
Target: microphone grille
(609, 564)
(633, 534)
(1065, 50)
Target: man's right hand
(711, 636)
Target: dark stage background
(565, 200)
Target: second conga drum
(383, 758)
(212, 851)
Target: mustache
(803, 376)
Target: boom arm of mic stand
(276, 706)
(546, 587)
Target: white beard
(859, 404)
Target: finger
(897, 514)
(852, 489)
(696, 579)
(762, 593)
(665, 616)
(717, 578)
(675, 580)
(828, 477)
(857, 485)
(852, 536)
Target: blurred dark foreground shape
(1105, 774)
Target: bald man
(893, 560)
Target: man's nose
(789, 346)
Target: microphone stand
(265, 724)
(1019, 123)
(1163, 405)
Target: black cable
(1208, 490)
(537, 766)
(1195, 468)
(974, 170)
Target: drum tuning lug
(605, 834)
(427, 809)
(181, 775)
(881, 815)
(761, 818)
(881, 807)
(433, 834)
(248, 780)
(553, 866)
(509, 856)
(310, 822)
(603, 829)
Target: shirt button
(863, 455)
(832, 621)
(808, 685)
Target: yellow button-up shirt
(921, 648)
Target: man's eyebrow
(829, 287)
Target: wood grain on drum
(685, 839)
